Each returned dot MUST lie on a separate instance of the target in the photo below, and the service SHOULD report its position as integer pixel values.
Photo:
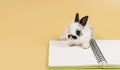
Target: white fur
(83, 39)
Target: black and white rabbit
(78, 33)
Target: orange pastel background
(26, 26)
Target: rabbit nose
(71, 36)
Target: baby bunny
(78, 33)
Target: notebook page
(60, 54)
(110, 50)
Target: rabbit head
(75, 29)
(79, 32)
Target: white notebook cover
(62, 55)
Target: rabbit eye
(78, 32)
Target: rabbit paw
(85, 46)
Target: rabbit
(78, 33)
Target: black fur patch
(84, 20)
(78, 32)
(72, 36)
(77, 17)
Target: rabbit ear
(83, 21)
(77, 17)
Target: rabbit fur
(78, 33)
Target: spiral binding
(98, 54)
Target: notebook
(105, 55)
